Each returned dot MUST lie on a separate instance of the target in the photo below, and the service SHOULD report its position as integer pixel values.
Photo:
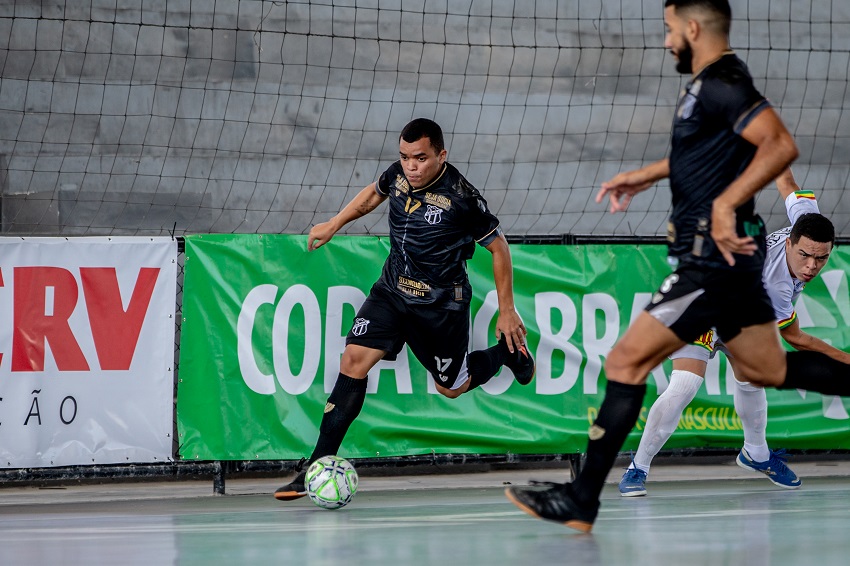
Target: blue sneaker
(633, 483)
(775, 468)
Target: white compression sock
(664, 415)
(751, 406)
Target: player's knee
(450, 393)
(747, 386)
(356, 363)
(619, 368)
(767, 380)
(763, 375)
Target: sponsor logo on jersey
(402, 184)
(359, 328)
(433, 214)
(413, 287)
(443, 202)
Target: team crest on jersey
(689, 100)
(401, 184)
(359, 328)
(433, 214)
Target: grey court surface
(712, 514)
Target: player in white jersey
(795, 256)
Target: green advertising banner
(264, 325)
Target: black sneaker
(520, 362)
(293, 490)
(554, 504)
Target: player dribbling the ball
(422, 299)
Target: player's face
(420, 161)
(676, 41)
(806, 258)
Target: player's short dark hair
(719, 8)
(815, 227)
(420, 128)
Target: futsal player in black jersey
(727, 144)
(436, 218)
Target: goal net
(151, 117)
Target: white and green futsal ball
(331, 482)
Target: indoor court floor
(714, 514)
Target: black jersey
(433, 231)
(707, 155)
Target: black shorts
(693, 299)
(439, 338)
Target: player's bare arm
(365, 202)
(622, 187)
(800, 340)
(786, 184)
(776, 150)
(508, 322)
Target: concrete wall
(143, 116)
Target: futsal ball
(331, 482)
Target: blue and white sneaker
(774, 468)
(633, 483)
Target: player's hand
(621, 189)
(725, 236)
(510, 325)
(320, 234)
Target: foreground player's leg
(751, 406)
(343, 406)
(816, 372)
(763, 362)
(661, 422)
(576, 505)
(645, 344)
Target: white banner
(86, 350)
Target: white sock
(751, 406)
(664, 416)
